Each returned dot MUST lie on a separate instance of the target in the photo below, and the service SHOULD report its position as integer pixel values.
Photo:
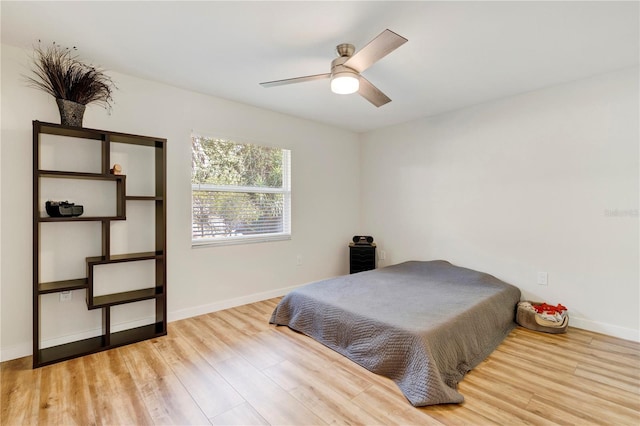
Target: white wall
(544, 181)
(325, 188)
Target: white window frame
(285, 190)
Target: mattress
(423, 324)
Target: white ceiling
(458, 54)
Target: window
(240, 192)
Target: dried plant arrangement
(74, 84)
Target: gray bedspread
(422, 324)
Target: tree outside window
(240, 192)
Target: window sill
(252, 239)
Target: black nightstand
(361, 258)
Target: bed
(423, 324)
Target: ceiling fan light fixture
(345, 83)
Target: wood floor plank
(266, 307)
(255, 320)
(166, 399)
(274, 404)
(596, 388)
(290, 374)
(20, 395)
(500, 388)
(113, 391)
(169, 403)
(556, 342)
(392, 408)
(239, 322)
(541, 356)
(203, 339)
(250, 347)
(385, 407)
(557, 414)
(613, 343)
(287, 375)
(590, 362)
(611, 393)
(621, 347)
(258, 350)
(331, 402)
(457, 415)
(571, 355)
(526, 383)
(498, 409)
(143, 362)
(210, 391)
(419, 416)
(574, 336)
(620, 380)
(332, 407)
(64, 395)
(559, 390)
(242, 415)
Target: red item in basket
(544, 308)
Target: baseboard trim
(228, 303)
(604, 328)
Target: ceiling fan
(346, 68)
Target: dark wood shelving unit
(155, 291)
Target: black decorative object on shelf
(63, 209)
(366, 240)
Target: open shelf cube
(119, 194)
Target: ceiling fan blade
(295, 80)
(372, 93)
(385, 43)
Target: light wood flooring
(232, 367)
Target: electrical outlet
(299, 260)
(543, 278)
(382, 255)
(66, 296)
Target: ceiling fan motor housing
(345, 49)
(338, 68)
(344, 52)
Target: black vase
(71, 113)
